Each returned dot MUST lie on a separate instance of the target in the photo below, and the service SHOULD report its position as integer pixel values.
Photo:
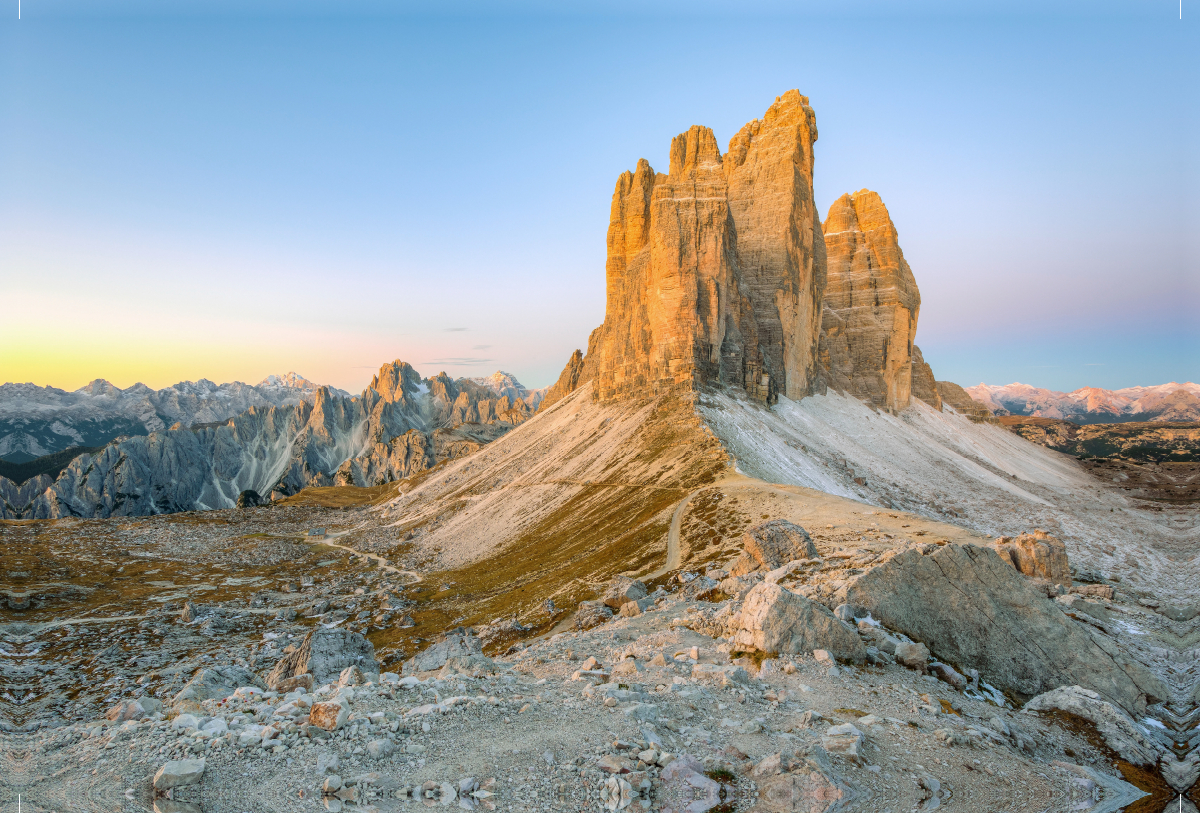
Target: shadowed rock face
(871, 304)
(715, 270)
(924, 386)
(957, 397)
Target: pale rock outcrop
(216, 683)
(177, 773)
(924, 385)
(774, 619)
(17, 500)
(1037, 555)
(715, 270)
(460, 643)
(772, 545)
(971, 607)
(1119, 730)
(324, 654)
(623, 590)
(871, 304)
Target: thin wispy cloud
(463, 362)
(481, 347)
(455, 329)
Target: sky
(229, 190)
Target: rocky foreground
(736, 689)
(645, 712)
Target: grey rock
(912, 655)
(971, 607)
(380, 749)
(327, 762)
(216, 683)
(177, 773)
(774, 619)
(591, 613)
(1181, 774)
(218, 461)
(1117, 727)
(454, 645)
(324, 654)
(776, 542)
(623, 589)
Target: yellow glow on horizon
(69, 365)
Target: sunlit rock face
(716, 270)
(871, 305)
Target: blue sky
(230, 190)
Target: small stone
(380, 749)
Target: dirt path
(383, 563)
(738, 481)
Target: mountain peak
(100, 387)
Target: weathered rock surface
(774, 619)
(216, 682)
(871, 304)
(970, 607)
(1117, 727)
(957, 397)
(772, 545)
(456, 644)
(622, 590)
(177, 773)
(329, 715)
(400, 425)
(324, 654)
(568, 381)
(715, 270)
(1037, 555)
(924, 385)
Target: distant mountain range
(1088, 405)
(399, 425)
(37, 421)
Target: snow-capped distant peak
(500, 381)
(1163, 402)
(291, 380)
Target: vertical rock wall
(871, 304)
(924, 386)
(715, 270)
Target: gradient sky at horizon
(229, 190)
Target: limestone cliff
(871, 304)
(957, 397)
(715, 270)
(924, 386)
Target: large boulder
(622, 590)
(177, 773)
(324, 654)
(1120, 732)
(772, 545)
(216, 683)
(460, 643)
(972, 608)
(1037, 555)
(774, 619)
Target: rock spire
(715, 270)
(871, 304)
